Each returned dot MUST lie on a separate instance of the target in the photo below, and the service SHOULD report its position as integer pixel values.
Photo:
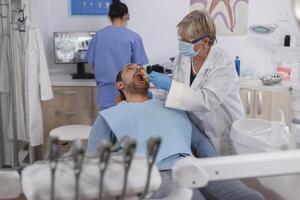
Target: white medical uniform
(4, 71)
(32, 83)
(213, 98)
(5, 103)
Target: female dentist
(111, 48)
(203, 81)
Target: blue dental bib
(142, 121)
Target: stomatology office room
(150, 99)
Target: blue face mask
(187, 49)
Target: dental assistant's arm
(100, 131)
(218, 85)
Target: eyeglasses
(194, 41)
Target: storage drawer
(71, 97)
(55, 117)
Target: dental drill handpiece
(78, 158)
(53, 154)
(152, 150)
(104, 150)
(129, 150)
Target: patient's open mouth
(139, 77)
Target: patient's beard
(137, 89)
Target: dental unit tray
(271, 79)
(36, 179)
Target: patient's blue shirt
(142, 121)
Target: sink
(256, 127)
(252, 134)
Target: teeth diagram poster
(230, 16)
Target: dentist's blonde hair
(197, 24)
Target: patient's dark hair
(119, 78)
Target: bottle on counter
(237, 65)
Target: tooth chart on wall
(230, 16)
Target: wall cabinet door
(262, 104)
(247, 97)
(281, 101)
(266, 104)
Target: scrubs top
(110, 50)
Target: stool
(70, 133)
(10, 182)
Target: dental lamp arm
(104, 155)
(78, 158)
(53, 155)
(129, 151)
(191, 172)
(152, 149)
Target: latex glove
(149, 94)
(161, 81)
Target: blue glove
(149, 94)
(161, 81)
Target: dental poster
(230, 16)
(89, 7)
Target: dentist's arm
(208, 97)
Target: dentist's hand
(161, 81)
(149, 94)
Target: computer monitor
(70, 48)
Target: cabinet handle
(249, 102)
(260, 103)
(66, 92)
(65, 113)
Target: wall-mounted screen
(70, 47)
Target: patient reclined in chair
(142, 118)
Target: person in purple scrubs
(111, 48)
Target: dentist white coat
(213, 99)
(32, 84)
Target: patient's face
(135, 79)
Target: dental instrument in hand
(104, 155)
(78, 158)
(152, 150)
(53, 154)
(129, 150)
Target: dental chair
(10, 184)
(106, 176)
(189, 173)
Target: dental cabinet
(264, 102)
(73, 103)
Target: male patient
(143, 118)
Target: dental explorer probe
(152, 150)
(129, 150)
(78, 158)
(53, 154)
(104, 155)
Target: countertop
(257, 84)
(66, 80)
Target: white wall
(155, 21)
(256, 50)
